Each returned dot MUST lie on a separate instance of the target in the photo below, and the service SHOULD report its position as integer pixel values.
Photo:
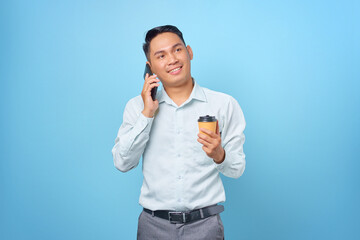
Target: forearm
(233, 165)
(130, 144)
(233, 141)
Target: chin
(179, 82)
(175, 80)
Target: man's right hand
(150, 106)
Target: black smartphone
(154, 90)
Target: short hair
(152, 33)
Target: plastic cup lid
(207, 118)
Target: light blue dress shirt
(178, 175)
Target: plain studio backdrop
(69, 67)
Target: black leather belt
(186, 217)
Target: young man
(182, 186)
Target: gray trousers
(150, 227)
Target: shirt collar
(197, 93)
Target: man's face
(170, 60)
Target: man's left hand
(212, 144)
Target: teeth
(174, 69)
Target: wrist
(147, 114)
(221, 157)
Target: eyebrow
(161, 51)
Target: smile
(175, 70)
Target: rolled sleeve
(233, 139)
(132, 138)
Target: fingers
(204, 142)
(150, 87)
(204, 137)
(210, 146)
(150, 105)
(210, 139)
(208, 132)
(150, 78)
(150, 83)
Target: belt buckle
(176, 213)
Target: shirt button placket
(178, 153)
(177, 132)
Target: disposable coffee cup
(207, 122)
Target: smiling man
(182, 187)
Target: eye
(161, 56)
(178, 49)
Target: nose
(172, 59)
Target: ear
(190, 52)
(148, 63)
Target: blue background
(69, 67)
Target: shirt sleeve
(233, 138)
(132, 137)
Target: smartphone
(154, 90)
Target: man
(181, 187)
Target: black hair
(152, 33)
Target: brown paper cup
(207, 125)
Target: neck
(180, 94)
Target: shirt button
(178, 155)
(179, 177)
(178, 131)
